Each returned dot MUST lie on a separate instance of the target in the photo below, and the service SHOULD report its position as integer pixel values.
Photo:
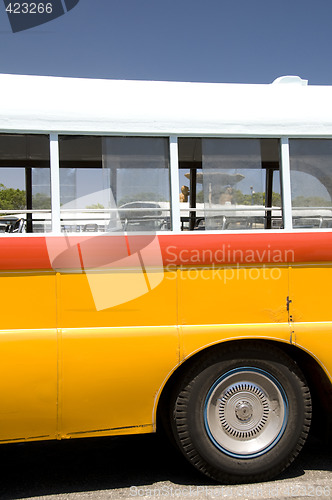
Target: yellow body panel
(115, 360)
(29, 300)
(311, 312)
(316, 339)
(28, 356)
(77, 308)
(218, 304)
(310, 291)
(28, 384)
(232, 295)
(110, 377)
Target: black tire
(242, 413)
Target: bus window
(114, 183)
(25, 192)
(229, 184)
(311, 182)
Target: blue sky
(244, 41)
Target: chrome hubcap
(246, 412)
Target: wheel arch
(317, 379)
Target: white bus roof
(78, 105)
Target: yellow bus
(168, 250)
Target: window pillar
(285, 175)
(175, 187)
(55, 183)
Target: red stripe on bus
(24, 253)
(248, 249)
(69, 252)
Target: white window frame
(175, 185)
(286, 184)
(55, 183)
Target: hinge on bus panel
(288, 301)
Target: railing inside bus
(153, 219)
(25, 221)
(129, 218)
(312, 217)
(231, 218)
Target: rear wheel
(242, 414)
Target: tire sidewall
(278, 455)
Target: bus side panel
(113, 361)
(239, 301)
(28, 357)
(29, 300)
(310, 291)
(311, 311)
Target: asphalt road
(143, 467)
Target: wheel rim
(245, 412)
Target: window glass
(25, 187)
(114, 184)
(311, 182)
(231, 184)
